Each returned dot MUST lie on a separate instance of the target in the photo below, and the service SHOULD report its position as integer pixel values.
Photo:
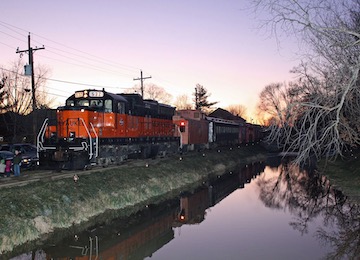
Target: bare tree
(326, 118)
(152, 91)
(17, 89)
(3, 95)
(183, 102)
(272, 101)
(17, 97)
(237, 110)
(43, 100)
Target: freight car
(198, 131)
(102, 128)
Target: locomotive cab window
(108, 105)
(96, 103)
(121, 108)
(70, 103)
(83, 103)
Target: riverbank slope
(345, 175)
(41, 205)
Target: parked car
(6, 156)
(28, 154)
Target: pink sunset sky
(178, 43)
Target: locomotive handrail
(90, 139)
(181, 146)
(40, 136)
(96, 140)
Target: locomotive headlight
(82, 110)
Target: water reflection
(193, 205)
(281, 186)
(308, 195)
(142, 234)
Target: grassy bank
(345, 175)
(32, 210)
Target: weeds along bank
(344, 175)
(30, 211)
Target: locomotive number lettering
(96, 94)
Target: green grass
(345, 175)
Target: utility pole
(142, 82)
(31, 51)
(196, 99)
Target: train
(96, 127)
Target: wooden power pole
(31, 51)
(142, 82)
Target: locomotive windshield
(78, 102)
(105, 105)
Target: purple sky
(178, 43)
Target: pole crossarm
(142, 82)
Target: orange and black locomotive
(98, 127)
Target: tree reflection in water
(307, 194)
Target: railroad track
(30, 176)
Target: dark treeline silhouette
(15, 128)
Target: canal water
(265, 210)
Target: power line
(77, 53)
(82, 84)
(94, 57)
(12, 36)
(88, 56)
(67, 82)
(7, 26)
(7, 45)
(89, 66)
(56, 95)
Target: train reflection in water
(142, 234)
(193, 206)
